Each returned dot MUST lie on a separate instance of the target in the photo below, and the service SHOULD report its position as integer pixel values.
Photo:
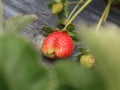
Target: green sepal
(75, 36)
(76, 39)
(84, 50)
(46, 30)
(60, 25)
(70, 27)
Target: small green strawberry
(57, 7)
(87, 60)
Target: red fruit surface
(57, 44)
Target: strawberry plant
(53, 46)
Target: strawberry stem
(72, 12)
(76, 14)
(104, 15)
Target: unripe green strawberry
(57, 44)
(87, 60)
(57, 8)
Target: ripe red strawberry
(58, 44)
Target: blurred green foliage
(19, 66)
(18, 23)
(72, 76)
(105, 46)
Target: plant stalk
(76, 14)
(72, 2)
(104, 15)
(72, 12)
(107, 11)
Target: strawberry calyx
(70, 31)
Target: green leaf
(50, 3)
(76, 39)
(65, 11)
(72, 75)
(1, 16)
(47, 30)
(20, 68)
(66, 8)
(18, 23)
(3, 85)
(73, 33)
(105, 46)
(61, 17)
(47, 82)
(84, 50)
